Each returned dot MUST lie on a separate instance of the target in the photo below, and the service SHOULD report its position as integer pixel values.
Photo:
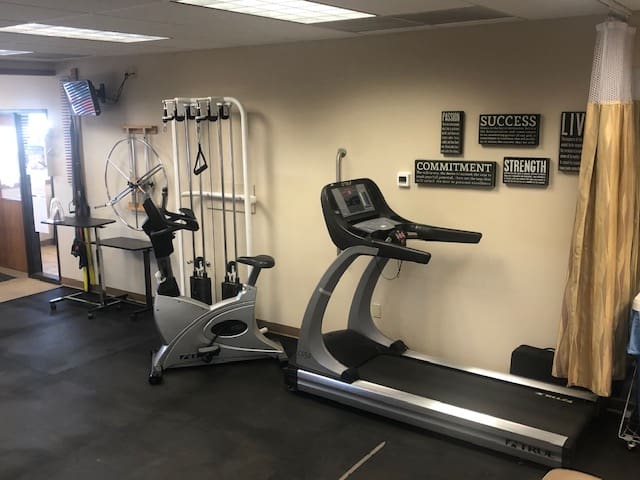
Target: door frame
(31, 236)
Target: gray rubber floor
(75, 404)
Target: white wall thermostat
(404, 179)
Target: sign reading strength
(521, 129)
(525, 171)
(455, 173)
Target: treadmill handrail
(431, 233)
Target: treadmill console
(353, 199)
(356, 213)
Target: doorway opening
(26, 188)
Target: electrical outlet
(376, 310)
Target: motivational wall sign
(520, 129)
(525, 171)
(571, 136)
(455, 173)
(452, 133)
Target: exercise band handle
(201, 162)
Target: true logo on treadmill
(524, 447)
(555, 397)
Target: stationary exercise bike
(195, 333)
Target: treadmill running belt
(493, 397)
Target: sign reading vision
(519, 129)
(452, 133)
(455, 173)
(525, 171)
(571, 136)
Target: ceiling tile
(25, 13)
(395, 7)
(539, 9)
(86, 6)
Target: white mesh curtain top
(612, 63)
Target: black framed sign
(519, 129)
(459, 173)
(525, 171)
(452, 132)
(571, 136)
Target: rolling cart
(630, 423)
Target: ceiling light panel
(78, 33)
(300, 11)
(12, 52)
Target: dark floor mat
(4, 277)
(76, 403)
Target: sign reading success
(520, 129)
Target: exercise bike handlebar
(162, 221)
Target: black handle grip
(224, 112)
(440, 234)
(176, 117)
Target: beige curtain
(603, 261)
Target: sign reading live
(571, 136)
(451, 133)
(519, 129)
(455, 173)
(525, 171)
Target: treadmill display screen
(353, 200)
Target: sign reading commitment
(571, 136)
(455, 173)
(452, 133)
(525, 171)
(521, 129)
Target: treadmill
(362, 368)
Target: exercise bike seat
(259, 261)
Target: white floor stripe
(362, 461)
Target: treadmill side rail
(495, 433)
(507, 377)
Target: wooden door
(13, 251)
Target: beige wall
(381, 97)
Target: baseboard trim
(286, 330)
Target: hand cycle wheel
(133, 170)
